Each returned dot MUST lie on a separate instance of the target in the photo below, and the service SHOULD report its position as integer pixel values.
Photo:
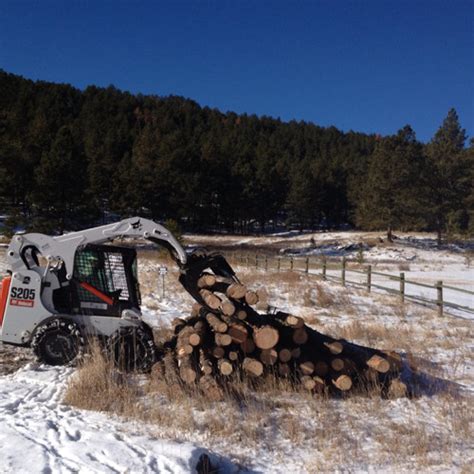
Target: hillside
(69, 157)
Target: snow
(416, 255)
(40, 434)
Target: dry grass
(97, 385)
(274, 421)
(273, 414)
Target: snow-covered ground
(416, 255)
(38, 433)
(432, 432)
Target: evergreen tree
(60, 184)
(389, 198)
(446, 171)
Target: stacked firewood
(225, 339)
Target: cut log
(396, 361)
(308, 382)
(222, 339)
(335, 347)
(201, 326)
(321, 368)
(227, 308)
(320, 384)
(205, 364)
(252, 367)
(379, 364)
(225, 367)
(185, 350)
(251, 298)
(206, 281)
(247, 346)
(236, 291)
(266, 337)
(216, 323)
(233, 355)
(294, 321)
(238, 333)
(201, 333)
(300, 336)
(218, 352)
(269, 356)
(342, 382)
(195, 309)
(186, 370)
(284, 355)
(195, 339)
(295, 353)
(211, 300)
(337, 364)
(306, 367)
(227, 333)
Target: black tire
(132, 349)
(58, 341)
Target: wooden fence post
(266, 263)
(306, 268)
(402, 286)
(324, 268)
(439, 301)
(343, 271)
(278, 264)
(291, 264)
(256, 260)
(248, 259)
(369, 277)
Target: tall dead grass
(98, 385)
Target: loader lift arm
(63, 247)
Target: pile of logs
(225, 339)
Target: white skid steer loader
(65, 290)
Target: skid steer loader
(64, 291)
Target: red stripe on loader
(4, 291)
(96, 292)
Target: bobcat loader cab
(63, 290)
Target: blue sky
(370, 66)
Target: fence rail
(340, 270)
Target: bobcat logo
(137, 225)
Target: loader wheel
(57, 342)
(132, 349)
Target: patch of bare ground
(13, 358)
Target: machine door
(105, 281)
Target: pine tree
(303, 201)
(469, 179)
(446, 172)
(389, 198)
(60, 184)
